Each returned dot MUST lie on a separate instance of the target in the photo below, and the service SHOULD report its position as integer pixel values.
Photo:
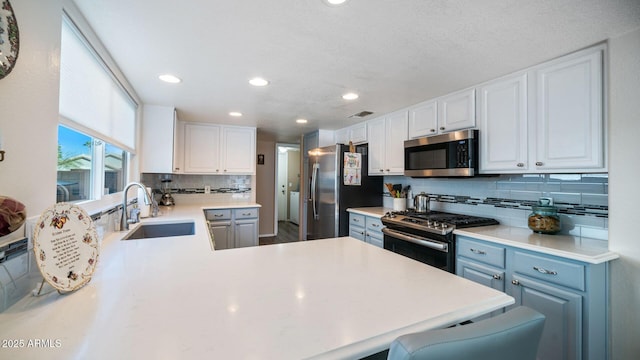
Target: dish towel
(12, 215)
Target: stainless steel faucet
(124, 222)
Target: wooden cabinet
(158, 139)
(366, 228)
(451, 112)
(386, 144)
(571, 294)
(233, 228)
(221, 150)
(546, 119)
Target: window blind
(90, 95)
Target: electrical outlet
(207, 189)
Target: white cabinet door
(358, 133)
(342, 136)
(457, 111)
(570, 131)
(376, 134)
(503, 125)
(158, 138)
(396, 131)
(423, 119)
(201, 148)
(238, 150)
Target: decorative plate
(66, 246)
(9, 38)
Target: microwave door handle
(314, 189)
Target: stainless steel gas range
(427, 237)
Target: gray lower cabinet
(366, 228)
(233, 228)
(571, 294)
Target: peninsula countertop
(174, 297)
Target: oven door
(429, 251)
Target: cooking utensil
(421, 203)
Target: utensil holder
(399, 204)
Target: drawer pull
(478, 252)
(218, 215)
(545, 271)
(246, 214)
(375, 225)
(515, 282)
(497, 276)
(356, 220)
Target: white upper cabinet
(201, 148)
(216, 149)
(386, 144)
(238, 150)
(570, 126)
(547, 119)
(423, 119)
(158, 129)
(502, 123)
(451, 112)
(457, 111)
(357, 134)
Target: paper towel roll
(143, 205)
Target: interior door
(282, 186)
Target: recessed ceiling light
(301, 121)
(169, 78)
(334, 2)
(258, 82)
(235, 113)
(350, 96)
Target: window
(96, 134)
(82, 157)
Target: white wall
(624, 193)
(29, 107)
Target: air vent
(361, 114)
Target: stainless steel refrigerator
(328, 198)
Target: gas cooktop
(435, 221)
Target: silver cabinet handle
(387, 170)
(356, 220)
(497, 276)
(479, 252)
(515, 282)
(375, 225)
(246, 214)
(432, 130)
(218, 215)
(545, 271)
(441, 127)
(520, 165)
(539, 163)
(381, 170)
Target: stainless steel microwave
(454, 154)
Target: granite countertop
(174, 297)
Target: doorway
(287, 214)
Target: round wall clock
(9, 38)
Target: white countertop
(370, 211)
(175, 298)
(571, 247)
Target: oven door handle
(419, 240)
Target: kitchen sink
(146, 231)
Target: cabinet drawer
(374, 225)
(488, 254)
(356, 219)
(356, 232)
(218, 214)
(375, 240)
(550, 270)
(248, 213)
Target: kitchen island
(176, 298)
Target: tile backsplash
(183, 183)
(582, 199)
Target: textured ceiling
(394, 53)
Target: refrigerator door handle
(314, 189)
